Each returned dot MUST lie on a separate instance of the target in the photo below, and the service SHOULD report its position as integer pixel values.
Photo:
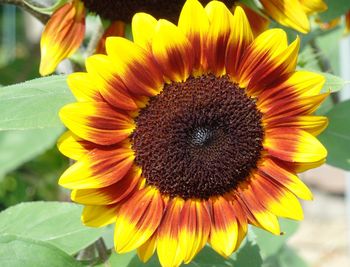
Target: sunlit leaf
(58, 223)
(23, 252)
(33, 104)
(17, 147)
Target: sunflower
(191, 132)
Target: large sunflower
(191, 132)
(65, 30)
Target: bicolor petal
(97, 122)
(168, 245)
(288, 13)
(294, 145)
(224, 229)
(194, 228)
(219, 32)
(135, 66)
(281, 174)
(138, 219)
(62, 35)
(194, 23)
(241, 37)
(173, 51)
(114, 193)
(98, 168)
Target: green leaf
(23, 252)
(336, 137)
(55, 222)
(335, 9)
(17, 147)
(33, 104)
(270, 244)
(333, 83)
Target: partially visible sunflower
(191, 132)
(293, 13)
(64, 32)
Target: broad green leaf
(270, 244)
(55, 222)
(23, 252)
(336, 137)
(335, 9)
(17, 147)
(333, 83)
(33, 104)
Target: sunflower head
(191, 132)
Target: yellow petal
(266, 47)
(62, 36)
(219, 32)
(147, 249)
(98, 169)
(168, 247)
(194, 228)
(173, 51)
(224, 230)
(240, 39)
(72, 146)
(135, 66)
(96, 122)
(83, 87)
(143, 27)
(138, 219)
(281, 174)
(289, 13)
(194, 23)
(99, 216)
(312, 6)
(294, 145)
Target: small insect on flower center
(198, 138)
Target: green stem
(102, 250)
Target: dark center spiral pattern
(124, 10)
(198, 138)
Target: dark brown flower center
(198, 138)
(125, 9)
